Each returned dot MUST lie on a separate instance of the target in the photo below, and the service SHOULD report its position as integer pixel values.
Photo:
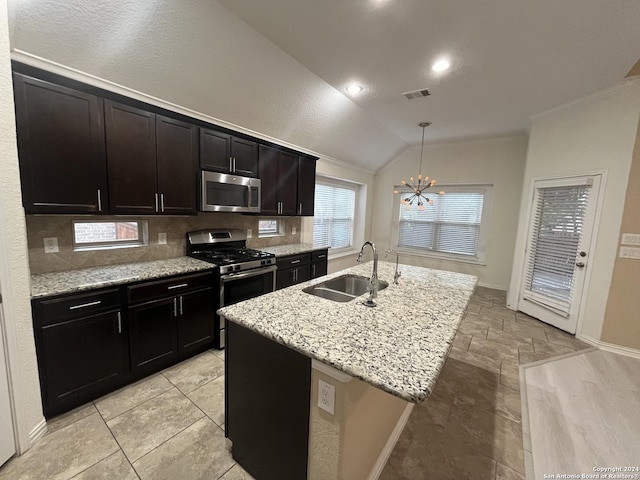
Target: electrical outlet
(249, 233)
(326, 396)
(293, 230)
(162, 238)
(51, 245)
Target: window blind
(557, 230)
(333, 216)
(450, 225)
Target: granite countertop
(48, 284)
(291, 249)
(399, 346)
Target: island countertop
(399, 346)
(57, 283)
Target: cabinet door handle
(231, 164)
(156, 202)
(99, 201)
(293, 262)
(175, 307)
(119, 322)
(84, 305)
(313, 270)
(234, 164)
(181, 285)
(300, 209)
(321, 256)
(181, 305)
(162, 202)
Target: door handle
(580, 264)
(231, 164)
(180, 304)
(99, 201)
(119, 323)
(162, 202)
(300, 209)
(156, 202)
(234, 164)
(175, 307)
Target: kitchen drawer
(293, 261)
(320, 255)
(167, 287)
(76, 306)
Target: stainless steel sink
(344, 288)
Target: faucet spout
(373, 280)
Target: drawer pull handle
(84, 305)
(182, 285)
(295, 261)
(321, 256)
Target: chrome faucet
(397, 273)
(373, 281)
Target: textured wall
(43, 226)
(14, 268)
(622, 317)
(496, 161)
(595, 133)
(198, 55)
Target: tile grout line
(117, 443)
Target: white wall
(199, 56)
(596, 133)
(362, 229)
(14, 267)
(496, 161)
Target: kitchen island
(380, 361)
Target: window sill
(442, 256)
(343, 253)
(90, 248)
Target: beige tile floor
(170, 425)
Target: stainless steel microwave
(222, 192)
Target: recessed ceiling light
(354, 89)
(441, 65)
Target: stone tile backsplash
(43, 226)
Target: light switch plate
(249, 233)
(326, 396)
(293, 230)
(162, 238)
(630, 239)
(51, 245)
(630, 252)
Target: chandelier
(421, 185)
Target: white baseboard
(610, 347)
(38, 432)
(391, 443)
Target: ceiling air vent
(417, 94)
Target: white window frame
(280, 227)
(142, 241)
(485, 225)
(357, 225)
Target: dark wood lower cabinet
(91, 343)
(154, 336)
(267, 392)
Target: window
(335, 206)
(109, 234)
(455, 226)
(270, 228)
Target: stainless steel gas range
(244, 273)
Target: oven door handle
(227, 277)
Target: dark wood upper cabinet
(131, 159)
(306, 185)
(177, 159)
(61, 148)
(151, 162)
(288, 182)
(221, 152)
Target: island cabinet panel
(293, 269)
(224, 153)
(267, 394)
(306, 185)
(279, 181)
(177, 159)
(131, 159)
(61, 148)
(82, 347)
